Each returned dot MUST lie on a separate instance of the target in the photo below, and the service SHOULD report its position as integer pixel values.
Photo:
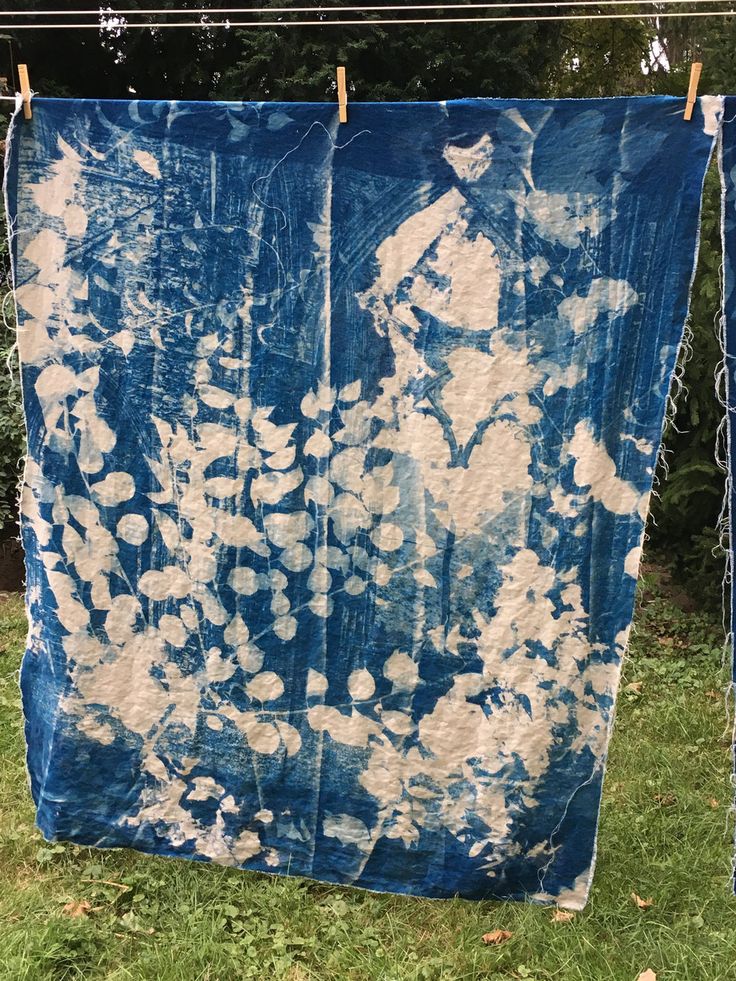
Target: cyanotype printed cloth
(341, 441)
(728, 391)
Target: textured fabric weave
(341, 441)
(728, 228)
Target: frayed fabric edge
(11, 138)
(722, 451)
(578, 901)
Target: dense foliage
(11, 420)
(569, 59)
(690, 482)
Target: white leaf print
(321, 605)
(318, 445)
(216, 398)
(378, 497)
(310, 406)
(470, 162)
(398, 722)
(173, 630)
(348, 515)
(287, 529)
(319, 490)
(265, 687)
(72, 614)
(315, 402)
(277, 579)
(263, 738)
(236, 631)
(285, 627)
(320, 579)
(346, 469)
(238, 530)
(245, 580)
(270, 488)
(351, 392)
(270, 437)
(100, 593)
(132, 528)
(316, 682)
(424, 578)
(246, 846)
(595, 469)
(148, 162)
(204, 788)
(96, 439)
(223, 487)
(250, 658)
(350, 730)
(387, 537)
(168, 529)
(356, 425)
(167, 582)
(121, 619)
(355, 585)
(606, 297)
(212, 608)
(213, 442)
(361, 684)
(244, 408)
(296, 558)
(281, 459)
(335, 558)
(290, 735)
(402, 671)
(217, 667)
(348, 830)
(280, 604)
(189, 617)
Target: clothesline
(206, 11)
(380, 22)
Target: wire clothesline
(109, 13)
(375, 21)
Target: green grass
(664, 834)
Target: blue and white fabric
(340, 447)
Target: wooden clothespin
(342, 95)
(692, 92)
(25, 90)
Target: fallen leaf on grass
(665, 800)
(712, 802)
(713, 694)
(497, 937)
(647, 975)
(635, 687)
(642, 903)
(77, 908)
(562, 916)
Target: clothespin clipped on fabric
(25, 90)
(692, 92)
(342, 95)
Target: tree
(582, 58)
(422, 62)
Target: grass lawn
(69, 912)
